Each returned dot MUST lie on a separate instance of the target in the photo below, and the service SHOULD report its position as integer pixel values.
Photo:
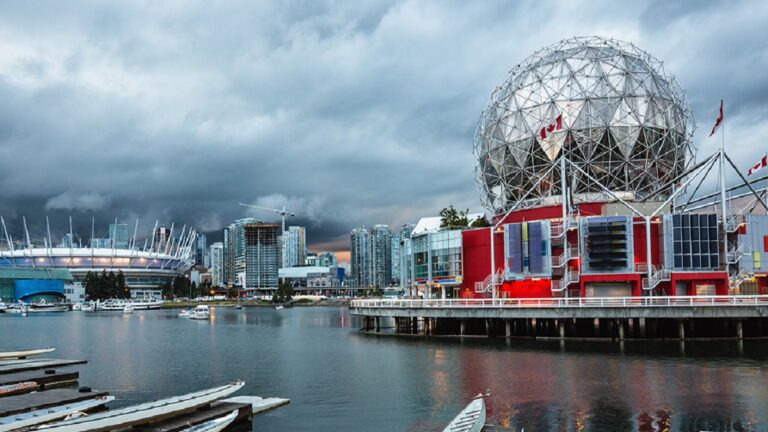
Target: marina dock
(32, 388)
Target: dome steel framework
(625, 122)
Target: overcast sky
(350, 113)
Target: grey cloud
(88, 201)
(351, 112)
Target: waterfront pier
(618, 318)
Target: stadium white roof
(432, 223)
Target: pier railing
(571, 302)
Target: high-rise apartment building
(395, 258)
(160, 238)
(118, 236)
(381, 255)
(226, 280)
(202, 250)
(253, 250)
(326, 259)
(360, 257)
(216, 255)
(371, 255)
(294, 247)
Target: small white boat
(237, 306)
(471, 418)
(279, 307)
(45, 306)
(201, 312)
(3, 307)
(24, 354)
(32, 418)
(185, 313)
(128, 309)
(215, 425)
(88, 307)
(77, 306)
(139, 414)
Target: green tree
(450, 217)
(167, 290)
(232, 292)
(283, 294)
(121, 286)
(480, 223)
(195, 292)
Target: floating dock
(42, 392)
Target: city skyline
(131, 118)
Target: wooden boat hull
(24, 354)
(144, 413)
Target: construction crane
(283, 213)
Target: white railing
(556, 230)
(568, 278)
(659, 274)
(734, 255)
(487, 284)
(733, 221)
(735, 281)
(563, 258)
(571, 302)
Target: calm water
(338, 379)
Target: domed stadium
(619, 119)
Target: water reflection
(340, 379)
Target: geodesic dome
(607, 106)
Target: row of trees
(105, 286)
(452, 218)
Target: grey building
(216, 255)
(326, 259)
(118, 236)
(294, 246)
(360, 257)
(202, 251)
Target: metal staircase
(659, 275)
(487, 284)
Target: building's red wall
(549, 212)
(719, 279)
(638, 234)
(527, 289)
(476, 250)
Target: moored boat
(471, 418)
(128, 309)
(215, 425)
(185, 313)
(24, 354)
(139, 414)
(3, 307)
(24, 420)
(201, 312)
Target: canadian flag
(763, 162)
(718, 120)
(557, 125)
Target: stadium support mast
(8, 239)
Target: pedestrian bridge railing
(571, 302)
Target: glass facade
(437, 257)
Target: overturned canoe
(471, 418)
(49, 414)
(24, 354)
(146, 412)
(215, 425)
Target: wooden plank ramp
(45, 380)
(258, 404)
(38, 400)
(28, 365)
(199, 416)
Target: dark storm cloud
(350, 113)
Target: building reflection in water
(540, 389)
